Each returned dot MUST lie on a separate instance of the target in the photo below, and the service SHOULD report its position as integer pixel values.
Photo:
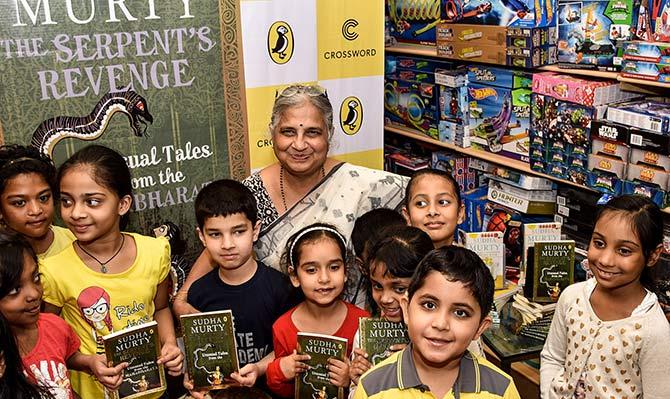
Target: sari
(344, 194)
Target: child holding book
(107, 280)
(433, 204)
(315, 259)
(446, 308)
(27, 193)
(47, 344)
(609, 336)
(392, 261)
(256, 294)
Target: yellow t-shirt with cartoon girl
(62, 239)
(96, 304)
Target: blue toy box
(500, 110)
(412, 104)
(415, 21)
(592, 32)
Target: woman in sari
(305, 185)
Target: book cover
(490, 247)
(533, 232)
(139, 346)
(553, 269)
(314, 383)
(211, 350)
(378, 335)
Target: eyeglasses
(311, 91)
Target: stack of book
(536, 318)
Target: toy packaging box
(474, 202)
(516, 13)
(411, 104)
(649, 141)
(653, 23)
(466, 33)
(591, 32)
(650, 114)
(580, 91)
(647, 51)
(413, 21)
(533, 202)
(457, 165)
(646, 71)
(521, 57)
(454, 107)
(500, 110)
(485, 53)
(610, 131)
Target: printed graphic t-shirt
(46, 364)
(96, 304)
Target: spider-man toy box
(592, 32)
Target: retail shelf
(480, 154)
(639, 85)
(582, 72)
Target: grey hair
(296, 95)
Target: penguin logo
(351, 115)
(280, 42)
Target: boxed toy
(650, 158)
(500, 110)
(606, 164)
(581, 91)
(465, 33)
(521, 180)
(531, 37)
(474, 202)
(651, 114)
(654, 21)
(651, 191)
(611, 149)
(522, 57)
(415, 21)
(454, 108)
(614, 132)
(531, 202)
(457, 165)
(518, 13)
(646, 71)
(470, 51)
(410, 104)
(591, 32)
(649, 141)
(648, 174)
(647, 51)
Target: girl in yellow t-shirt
(27, 191)
(107, 280)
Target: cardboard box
(607, 164)
(592, 32)
(580, 91)
(654, 52)
(522, 200)
(649, 141)
(610, 131)
(655, 72)
(411, 104)
(611, 149)
(467, 33)
(650, 158)
(521, 13)
(651, 114)
(648, 175)
(491, 54)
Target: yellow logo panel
(351, 115)
(350, 38)
(280, 42)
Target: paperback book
(139, 346)
(378, 335)
(314, 383)
(534, 232)
(211, 350)
(490, 247)
(553, 269)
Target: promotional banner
(161, 82)
(336, 44)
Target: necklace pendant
(103, 269)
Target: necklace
(103, 265)
(281, 184)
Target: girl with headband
(315, 259)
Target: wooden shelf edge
(582, 72)
(413, 49)
(480, 154)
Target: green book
(553, 269)
(139, 346)
(211, 350)
(314, 383)
(377, 335)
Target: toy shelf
(480, 154)
(637, 85)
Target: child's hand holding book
(360, 365)
(338, 372)
(171, 358)
(292, 364)
(110, 377)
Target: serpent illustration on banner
(92, 126)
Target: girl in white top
(609, 336)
